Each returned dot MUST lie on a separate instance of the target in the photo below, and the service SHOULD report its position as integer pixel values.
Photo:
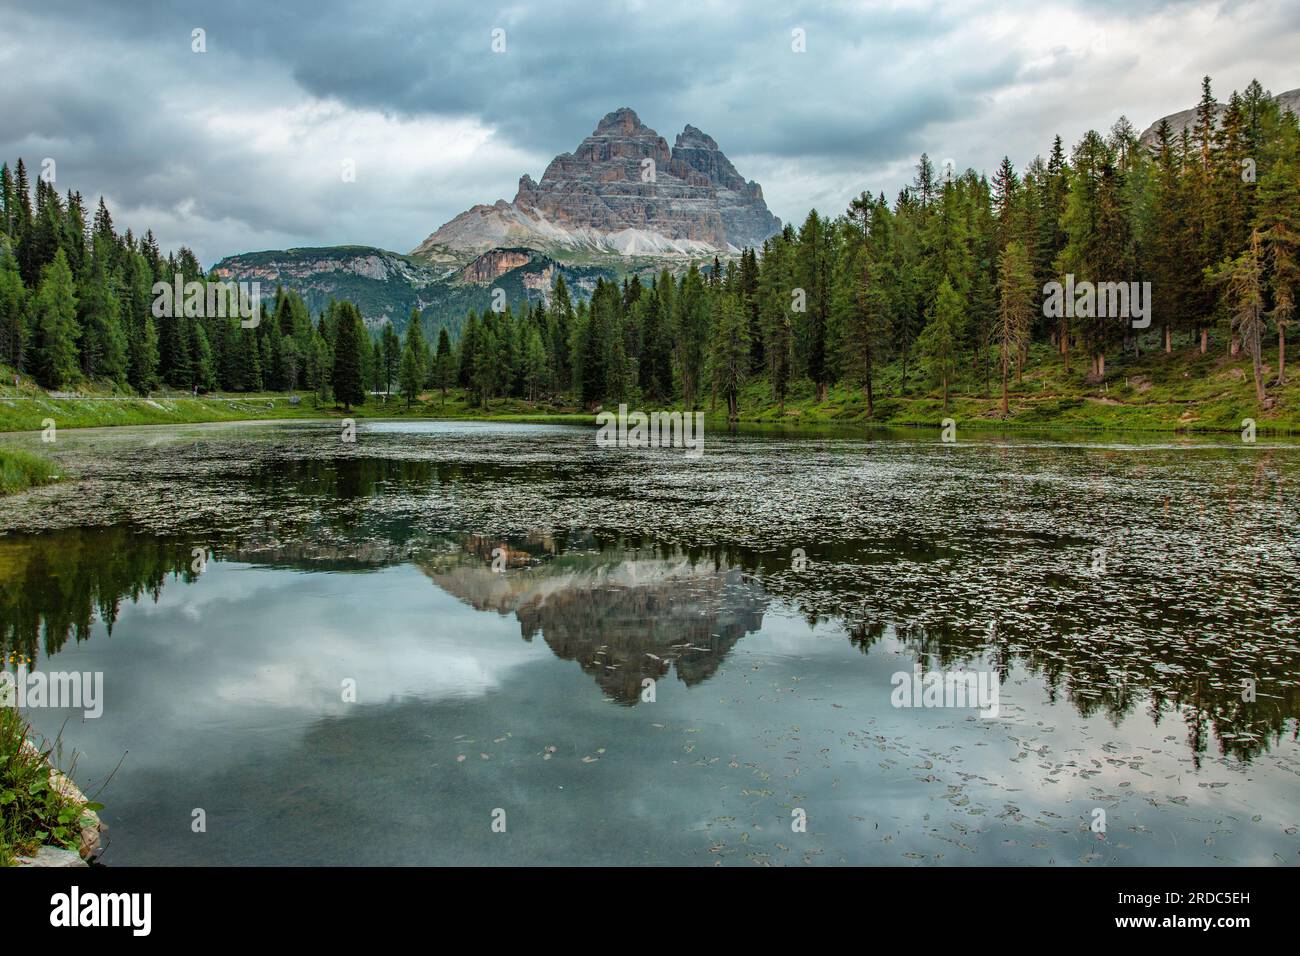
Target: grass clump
(33, 812)
(20, 470)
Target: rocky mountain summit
(1183, 119)
(623, 191)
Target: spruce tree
(55, 314)
(392, 355)
(443, 369)
(348, 378)
(411, 373)
(729, 356)
(939, 340)
(104, 345)
(13, 311)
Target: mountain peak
(621, 122)
(692, 136)
(622, 190)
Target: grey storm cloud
(194, 146)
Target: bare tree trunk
(945, 393)
(1205, 339)
(871, 398)
(1005, 407)
(1281, 354)
(1169, 339)
(1234, 347)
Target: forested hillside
(940, 291)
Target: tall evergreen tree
(348, 378)
(1015, 308)
(55, 315)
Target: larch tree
(939, 340)
(1016, 288)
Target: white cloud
(240, 148)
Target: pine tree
(13, 312)
(469, 337)
(1015, 308)
(348, 377)
(411, 373)
(729, 356)
(205, 372)
(55, 314)
(594, 336)
(1277, 221)
(1242, 281)
(813, 275)
(560, 328)
(485, 375)
(775, 301)
(690, 334)
(535, 366)
(104, 345)
(7, 201)
(247, 361)
(867, 336)
(749, 303)
(392, 355)
(443, 364)
(939, 340)
(656, 371)
(1006, 189)
(136, 309)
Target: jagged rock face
(623, 190)
(492, 264)
(1184, 119)
(606, 185)
(744, 213)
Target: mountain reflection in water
(627, 610)
(501, 596)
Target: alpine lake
(499, 644)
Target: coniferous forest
(941, 287)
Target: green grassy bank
(1180, 392)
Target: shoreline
(809, 429)
(1139, 402)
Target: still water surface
(1120, 592)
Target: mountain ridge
(1289, 100)
(622, 191)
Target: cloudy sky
(242, 147)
